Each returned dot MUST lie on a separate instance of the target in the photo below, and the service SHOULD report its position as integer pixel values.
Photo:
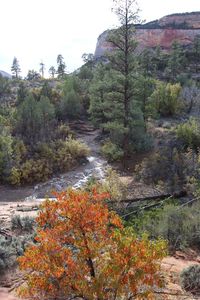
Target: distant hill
(5, 74)
(180, 27)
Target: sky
(39, 30)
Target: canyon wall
(182, 28)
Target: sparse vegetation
(189, 133)
(166, 99)
(26, 224)
(190, 279)
(11, 248)
(179, 225)
(111, 151)
(171, 166)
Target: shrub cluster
(168, 165)
(111, 151)
(11, 248)
(54, 157)
(166, 99)
(23, 223)
(190, 279)
(180, 226)
(189, 133)
(34, 141)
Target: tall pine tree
(15, 68)
(125, 117)
(176, 62)
(61, 66)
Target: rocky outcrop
(5, 74)
(165, 37)
(180, 27)
(189, 20)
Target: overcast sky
(39, 30)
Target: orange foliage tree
(84, 252)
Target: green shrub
(168, 165)
(190, 279)
(31, 171)
(63, 131)
(76, 148)
(180, 226)
(114, 186)
(28, 166)
(15, 176)
(22, 223)
(111, 151)
(11, 248)
(189, 133)
(16, 222)
(63, 160)
(4, 86)
(28, 223)
(70, 105)
(166, 99)
(5, 254)
(45, 151)
(35, 171)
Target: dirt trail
(172, 268)
(4, 295)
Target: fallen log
(178, 194)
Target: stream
(95, 166)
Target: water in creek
(95, 166)
(76, 178)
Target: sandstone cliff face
(165, 37)
(180, 27)
(192, 20)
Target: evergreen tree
(147, 63)
(144, 87)
(85, 75)
(52, 71)
(88, 57)
(97, 91)
(33, 75)
(4, 86)
(159, 60)
(125, 117)
(196, 53)
(28, 120)
(6, 149)
(47, 114)
(61, 66)
(70, 106)
(46, 91)
(15, 68)
(34, 119)
(175, 62)
(21, 93)
(42, 68)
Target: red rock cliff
(180, 27)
